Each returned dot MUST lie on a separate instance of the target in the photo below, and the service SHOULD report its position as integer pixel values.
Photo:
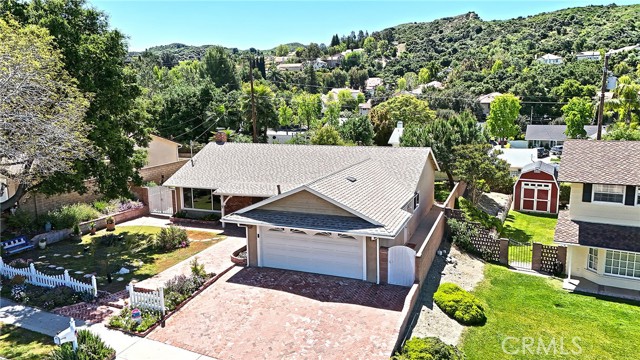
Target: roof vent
(351, 178)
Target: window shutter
(630, 195)
(586, 192)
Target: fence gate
(520, 254)
(160, 200)
(401, 265)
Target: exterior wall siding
(306, 202)
(579, 256)
(252, 245)
(371, 256)
(602, 213)
(161, 151)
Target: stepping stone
(42, 257)
(60, 268)
(79, 272)
(87, 276)
(56, 254)
(52, 266)
(120, 279)
(66, 256)
(77, 256)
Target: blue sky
(265, 24)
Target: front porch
(582, 285)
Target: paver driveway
(260, 313)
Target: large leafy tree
(501, 122)
(326, 135)
(481, 169)
(308, 108)
(405, 108)
(42, 131)
(219, 68)
(93, 54)
(442, 135)
(357, 129)
(578, 112)
(626, 100)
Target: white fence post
(32, 276)
(94, 285)
(161, 291)
(66, 275)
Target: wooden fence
(35, 277)
(150, 300)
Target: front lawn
(537, 309)
(92, 255)
(20, 344)
(525, 227)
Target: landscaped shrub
(211, 217)
(90, 347)
(42, 297)
(461, 233)
(565, 193)
(69, 215)
(430, 348)
(197, 269)
(103, 207)
(459, 304)
(179, 288)
(21, 221)
(20, 263)
(474, 214)
(442, 191)
(170, 238)
(125, 322)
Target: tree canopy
(405, 108)
(502, 116)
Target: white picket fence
(151, 300)
(35, 277)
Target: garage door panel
(312, 253)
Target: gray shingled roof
(330, 223)
(601, 162)
(572, 232)
(553, 132)
(257, 169)
(541, 166)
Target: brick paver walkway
(261, 313)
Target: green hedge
(459, 304)
(430, 348)
(565, 193)
(69, 215)
(90, 347)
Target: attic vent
(351, 178)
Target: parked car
(542, 152)
(557, 150)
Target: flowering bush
(20, 263)
(19, 293)
(171, 238)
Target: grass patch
(20, 344)
(520, 305)
(525, 227)
(472, 213)
(102, 259)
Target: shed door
(320, 253)
(535, 197)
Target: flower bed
(42, 297)
(239, 257)
(195, 222)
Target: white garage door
(312, 252)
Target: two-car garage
(316, 252)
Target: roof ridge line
(337, 171)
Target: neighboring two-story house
(601, 229)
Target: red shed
(537, 189)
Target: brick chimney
(221, 137)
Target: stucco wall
(161, 151)
(426, 191)
(252, 245)
(579, 256)
(371, 247)
(604, 213)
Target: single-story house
(588, 55)
(334, 60)
(282, 136)
(320, 209)
(161, 151)
(364, 108)
(517, 158)
(318, 64)
(372, 83)
(550, 59)
(601, 229)
(290, 67)
(551, 135)
(394, 139)
(486, 100)
(537, 188)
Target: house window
(514, 173)
(200, 199)
(608, 193)
(622, 263)
(416, 200)
(592, 261)
(638, 196)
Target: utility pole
(254, 120)
(602, 91)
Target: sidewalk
(127, 347)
